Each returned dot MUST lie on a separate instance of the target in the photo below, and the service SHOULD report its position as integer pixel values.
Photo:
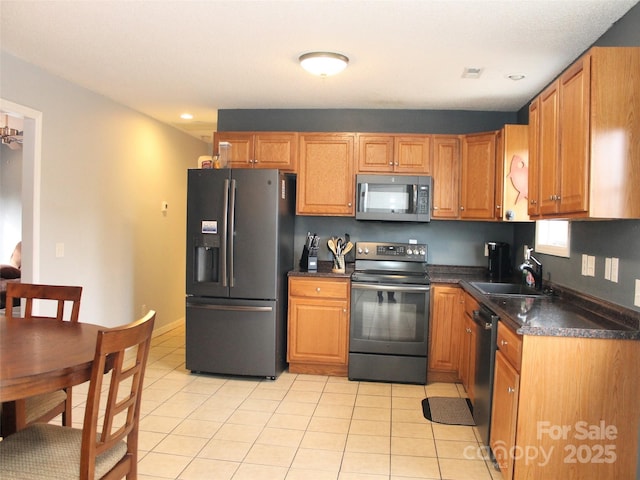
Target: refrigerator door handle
(225, 222)
(231, 308)
(232, 229)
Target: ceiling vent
(472, 72)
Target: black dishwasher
(485, 358)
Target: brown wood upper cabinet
(446, 176)
(512, 172)
(586, 156)
(379, 153)
(325, 174)
(260, 149)
(478, 177)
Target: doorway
(30, 186)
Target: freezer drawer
(234, 338)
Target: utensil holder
(338, 264)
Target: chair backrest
(58, 293)
(122, 352)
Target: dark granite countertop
(565, 313)
(324, 270)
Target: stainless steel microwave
(401, 198)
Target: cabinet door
(446, 176)
(276, 150)
(445, 328)
(534, 158)
(548, 150)
(325, 175)
(477, 190)
(574, 137)
(375, 153)
(318, 331)
(504, 412)
(412, 154)
(512, 173)
(241, 152)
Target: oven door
(389, 319)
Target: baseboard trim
(167, 328)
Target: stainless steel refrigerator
(240, 226)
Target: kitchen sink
(506, 289)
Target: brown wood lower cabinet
(468, 346)
(570, 410)
(504, 409)
(445, 333)
(318, 329)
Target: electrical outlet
(59, 250)
(591, 266)
(607, 268)
(584, 264)
(614, 270)
(636, 301)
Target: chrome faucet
(536, 270)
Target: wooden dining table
(44, 355)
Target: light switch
(636, 301)
(584, 264)
(591, 266)
(607, 268)
(59, 250)
(614, 270)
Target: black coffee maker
(499, 261)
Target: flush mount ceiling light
(515, 76)
(186, 116)
(323, 64)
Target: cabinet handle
(344, 310)
(435, 208)
(534, 202)
(255, 161)
(498, 207)
(390, 162)
(318, 289)
(503, 342)
(511, 390)
(349, 204)
(461, 208)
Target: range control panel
(404, 252)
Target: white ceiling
(166, 57)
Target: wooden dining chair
(106, 447)
(45, 407)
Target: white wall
(105, 170)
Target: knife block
(309, 259)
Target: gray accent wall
(354, 120)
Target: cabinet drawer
(510, 344)
(319, 288)
(470, 305)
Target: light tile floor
(298, 427)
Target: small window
(553, 237)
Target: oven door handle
(395, 288)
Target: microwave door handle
(415, 198)
(232, 229)
(225, 228)
(365, 197)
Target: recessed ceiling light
(516, 76)
(186, 116)
(472, 72)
